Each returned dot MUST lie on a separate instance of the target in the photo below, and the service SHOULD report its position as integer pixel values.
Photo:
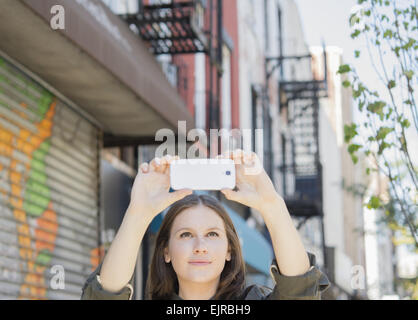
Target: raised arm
(256, 190)
(149, 196)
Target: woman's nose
(200, 246)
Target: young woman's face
(198, 245)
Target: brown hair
(162, 280)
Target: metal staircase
(171, 28)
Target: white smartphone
(202, 174)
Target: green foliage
(350, 131)
(346, 83)
(377, 108)
(389, 28)
(374, 203)
(383, 132)
(391, 84)
(344, 68)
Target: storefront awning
(96, 61)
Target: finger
(170, 158)
(227, 154)
(255, 166)
(237, 156)
(144, 167)
(154, 164)
(255, 158)
(165, 163)
(248, 159)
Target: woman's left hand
(255, 188)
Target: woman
(197, 254)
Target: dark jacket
(303, 287)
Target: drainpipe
(219, 67)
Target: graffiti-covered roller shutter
(48, 192)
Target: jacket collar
(175, 296)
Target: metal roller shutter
(49, 171)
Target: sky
(328, 21)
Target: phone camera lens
(228, 173)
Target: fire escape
(179, 27)
(300, 98)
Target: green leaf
(354, 158)
(344, 68)
(352, 148)
(375, 93)
(357, 93)
(377, 108)
(389, 113)
(350, 131)
(388, 34)
(409, 74)
(405, 123)
(391, 84)
(383, 132)
(382, 147)
(357, 53)
(346, 83)
(409, 44)
(355, 34)
(354, 19)
(374, 203)
(361, 105)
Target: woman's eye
(213, 233)
(185, 234)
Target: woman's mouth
(199, 262)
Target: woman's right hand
(150, 192)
